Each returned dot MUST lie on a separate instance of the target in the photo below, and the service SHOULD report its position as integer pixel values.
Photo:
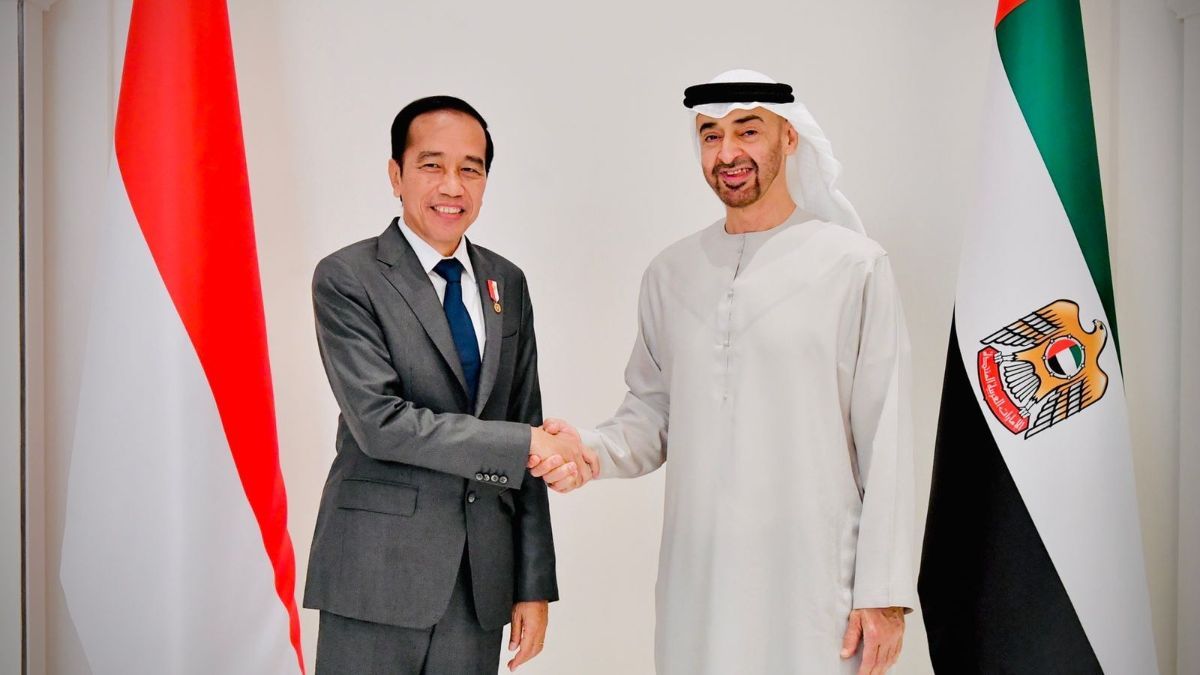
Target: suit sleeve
(366, 385)
(881, 426)
(633, 441)
(533, 543)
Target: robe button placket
(726, 323)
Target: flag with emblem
(176, 556)
(1032, 560)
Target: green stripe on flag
(1041, 45)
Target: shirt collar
(429, 257)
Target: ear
(395, 176)
(791, 139)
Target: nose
(451, 184)
(729, 151)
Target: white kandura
(772, 370)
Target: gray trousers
(456, 645)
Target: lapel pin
(494, 293)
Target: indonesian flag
(176, 556)
(1033, 555)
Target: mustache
(739, 164)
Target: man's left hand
(881, 632)
(528, 630)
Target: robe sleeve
(633, 441)
(881, 426)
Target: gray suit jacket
(417, 475)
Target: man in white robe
(771, 366)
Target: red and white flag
(176, 556)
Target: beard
(753, 189)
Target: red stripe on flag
(179, 147)
(1005, 7)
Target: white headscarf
(812, 171)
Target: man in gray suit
(431, 535)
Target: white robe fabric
(772, 369)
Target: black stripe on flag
(992, 600)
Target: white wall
(35, 431)
(10, 358)
(1188, 615)
(1147, 206)
(594, 174)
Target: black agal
(737, 92)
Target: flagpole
(22, 368)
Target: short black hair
(410, 112)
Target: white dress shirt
(430, 258)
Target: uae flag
(176, 556)
(1033, 554)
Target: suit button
(503, 480)
(470, 497)
(495, 478)
(478, 476)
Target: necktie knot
(449, 269)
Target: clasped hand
(558, 456)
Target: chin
(738, 200)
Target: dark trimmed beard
(752, 190)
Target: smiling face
(442, 178)
(743, 153)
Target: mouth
(735, 177)
(447, 211)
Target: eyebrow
(741, 120)
(432, 154)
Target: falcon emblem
(1042, 369)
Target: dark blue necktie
(461, 328)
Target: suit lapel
(492, 321)
(403, 270)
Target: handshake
(558, 456)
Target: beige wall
(1188, 615)
(10, 360)
(1146, 204)
(594, 174)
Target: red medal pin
(494, 292)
